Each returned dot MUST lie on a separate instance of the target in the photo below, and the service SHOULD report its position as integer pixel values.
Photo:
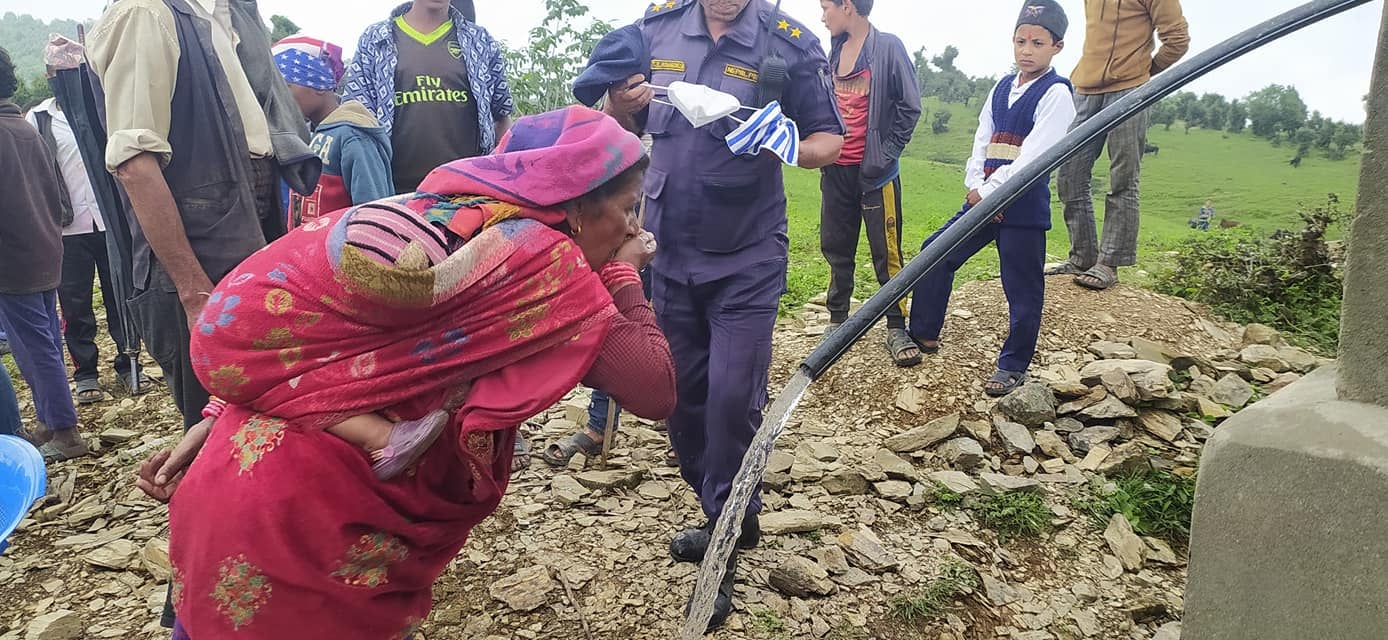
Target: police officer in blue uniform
(720, 220)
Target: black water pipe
(1092, 131)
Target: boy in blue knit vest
(1029, 112)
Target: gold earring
(577, 230)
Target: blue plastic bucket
(23, 480)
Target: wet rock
(1298, 360)
(1016, 439)
(923, 437)
(1232, 391)
(780, 523)
(865, 550)
(999, 593)
(845, 482)
(1106, 350)
(893, 465)
(996, 483)
(1261, 355)
(619, 479)
(1162, 424)
(566, 490)
(1032, 405)
(832, 559)
(1124, 544)
(1109, 408)
(1127, 459)
(1085, 440)
(118, 555)
(1261, 334)
(1153, 379)
(527, 590)
(801, 578)
(963, 453)
(955, 481)
(1119, 385)
(58, 625)
(1051, 444)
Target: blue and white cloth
(305, 70)
(770, 129)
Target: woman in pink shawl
(501, 284)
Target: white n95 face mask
(702, 105)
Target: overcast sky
(1329, 63)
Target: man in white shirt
(84, 256)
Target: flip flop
(146, 383)
(89, 392)
(899, 343)
(1009, 380)
(560, 453)
(1098, 278)
(408, 441)
(1066, 268)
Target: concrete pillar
(1363, 332)
(1287, 539)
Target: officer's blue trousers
(1022, 256)
(720, 336)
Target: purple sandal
(408, 441)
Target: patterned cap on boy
(1047, 14)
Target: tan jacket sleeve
(1172, 30)
(134, 51)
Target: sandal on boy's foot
(146, 383)
(408, 441)
(1066, 268)
(904, 350)
(1004, 382)
(1098, 278)
(56, 450)
(89, 391)
(560, 453)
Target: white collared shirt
(1054, 116)
(86, 215)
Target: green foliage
(540, 74)
(1275, 113)
(25, 37)
(1286, 280)
(32, 90)
(1014, 514)
(281, 28)
(1276, 109)
(939, 78)
(1157, 504)
(940, 124)
(946, 498)
(956, 579)
(768, 623)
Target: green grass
(1013, 515)
(767, 623)
(956, 579)
(1157, 504)
(947, 499)
(1247, 177)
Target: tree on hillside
(1162, 113)
(542, 72)
(1195, 115)
(1276, 109)
(281, 28)
(1238, 117)
(1216, 111)
(25, 37)
(31, 91)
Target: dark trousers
(31, 322)
(1022, 254)
(845, 209)
(720, 337)
(164, 330)
(10, 424)
(84, 257)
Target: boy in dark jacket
(354, 147)
(879, 102)
(1027, 114)
(31, 261)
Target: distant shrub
(941, 123)
(1288, 280)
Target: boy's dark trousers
(1022, 257)
(84, 257)
(845, 209)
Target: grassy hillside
(1249, 180)
(25, 36)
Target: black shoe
(689, 545)
(723, 602)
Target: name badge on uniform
(668, 65)
(741, 73)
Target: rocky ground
(866, 497)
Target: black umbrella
(83, 103)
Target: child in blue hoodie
(354, 147)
